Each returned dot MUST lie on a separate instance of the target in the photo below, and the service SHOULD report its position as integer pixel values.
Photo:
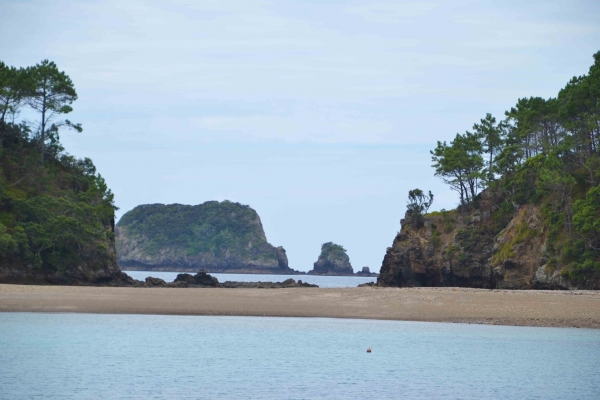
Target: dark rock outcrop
(333, 260)
(471, 249)
(365, 271)
(153, 282)
(288, 283)
(200, 279)
(214, 236)
(204, 280)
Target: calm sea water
(322, 281)
(86, 356)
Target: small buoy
(369, 350)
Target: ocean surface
(87, 356)
(322, 281)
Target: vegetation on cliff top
(545, 152)
(333, 251)
(56, 212)
(213, 227)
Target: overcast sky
(318, 114)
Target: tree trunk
(43, 132)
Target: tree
(13, 87)
(418, 204)
(586, 219)
(491, 136)
(460, 165)
(580, 108)
(52, 93)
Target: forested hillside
(56, 211)
(528, 187)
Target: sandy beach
(502, 307)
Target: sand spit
(501, 307)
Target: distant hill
(214, 236)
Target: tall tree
(52, 94)
(491, 135)
(580, 108)
(460, 165)
(13, 87)
(418, 204)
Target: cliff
(333, 260)
(476, 248)
(214, 236)
(56, 216)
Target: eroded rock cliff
(476, 249)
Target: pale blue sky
(318, 114)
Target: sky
(318, 114)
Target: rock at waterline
(333, 260)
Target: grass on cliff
(506, 250)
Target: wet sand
(502, 307)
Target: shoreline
(243, 272)
(579, 309)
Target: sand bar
(503, 307)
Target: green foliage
(418, 204)
(506, 251)
(213, 228)
(586, 220)
(546, 151)
(333, 251)
(503, 215)
(54, 218)
(13, 87)
(460, 165)
(491, 136)
(47, 91)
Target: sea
(322, 281)
(86, 356)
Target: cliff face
(452, 249)
(333, 260)
(216, 237)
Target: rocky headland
(213, 236)
(56, 216)
(474, 248)
(333, 260)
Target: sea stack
(213, 236)
(333, 260)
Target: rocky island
(366, 271)
(213, 236)
(333, 260)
